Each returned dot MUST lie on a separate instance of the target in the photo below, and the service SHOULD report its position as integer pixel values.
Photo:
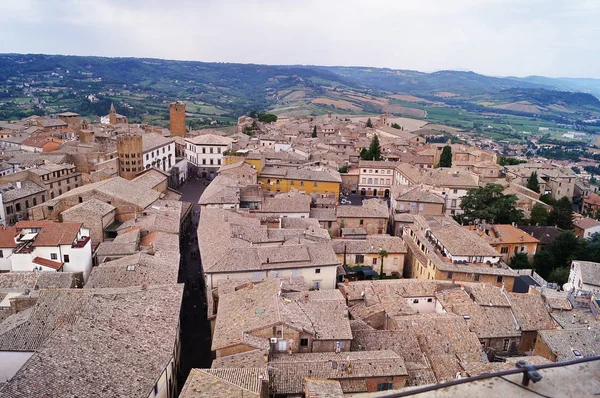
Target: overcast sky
(494, 37)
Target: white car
(345, 201)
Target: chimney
(305, 297)
(18, 184)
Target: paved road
(195, 329)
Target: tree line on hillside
(489, 203)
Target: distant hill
(141, 89)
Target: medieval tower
(112, 115)
(129, 148)
(177, 118)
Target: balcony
(81, 242)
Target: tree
(543, 263)
(382, 254)
(253, 114)
(547, 199)
(532, 182)
(539, 215)
(446, 157)
(267, 118)
(559, 275)
(563, 249)
(489, 203)
(369, 123)
(374, 151)
(343, 169)
(364, 154)
(576, 170)
(561, 214)
(396, 126)
(519, 261)
(314, 133)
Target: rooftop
(224, 383)
(287, 373)
(111, 342)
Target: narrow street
(195, 329)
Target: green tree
(396, 126)
(543, 263)
(559, 275)
(343, 169)
(563, 249)
(561, 214)
(267, 118)
(364, 154)
(382, 254)
(489, 203)
(532, 182)
(374, 152)
(253, 114)
(369, 123)
(576, 170)
(446, 157)
(519, 261)
(547, 199)
(314, 133)
(539, 215)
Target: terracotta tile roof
(287, 373)
(111, 342)
(530, 311)
(52, 233)
(248, 359)
(585, 223)
(48, 263)
(590, 272)
(224, 383)
(373, 244)
(256, 307)
(321, 388)
(7, 236)
(502, 233)
(563, 343)
(592, 199)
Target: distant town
(313, 256)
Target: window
(522, 249)
(1, 254)
(203, 150)
(415, 301)
(453, 203)
(499, 279)
(26, 204)
(374, 260)
(53, 256)
(34, 201)
(256, 275)
(455, 191)
(318, 271)
(430, 300)
(506, 344)
(475, 277)
(17, 206)
(296, 272)
(315, 184)
(211, 150)
(316, 285)
(43, 198)
(147, 156)
(361, 222)
(163, 149)
(303, 342)
(302, 183)
(359, 259)
(203, 161)
(66, 258)
(131, 267)
(384, 386)
(503, 250)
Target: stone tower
(177, 118)
(384, 119)
(112, 115)
(129, 148)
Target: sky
(554, 38)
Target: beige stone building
(351, 252)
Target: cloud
(497, 37)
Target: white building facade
(204, 154)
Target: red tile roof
(7, 236)
(52, 233)
(48, 263)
